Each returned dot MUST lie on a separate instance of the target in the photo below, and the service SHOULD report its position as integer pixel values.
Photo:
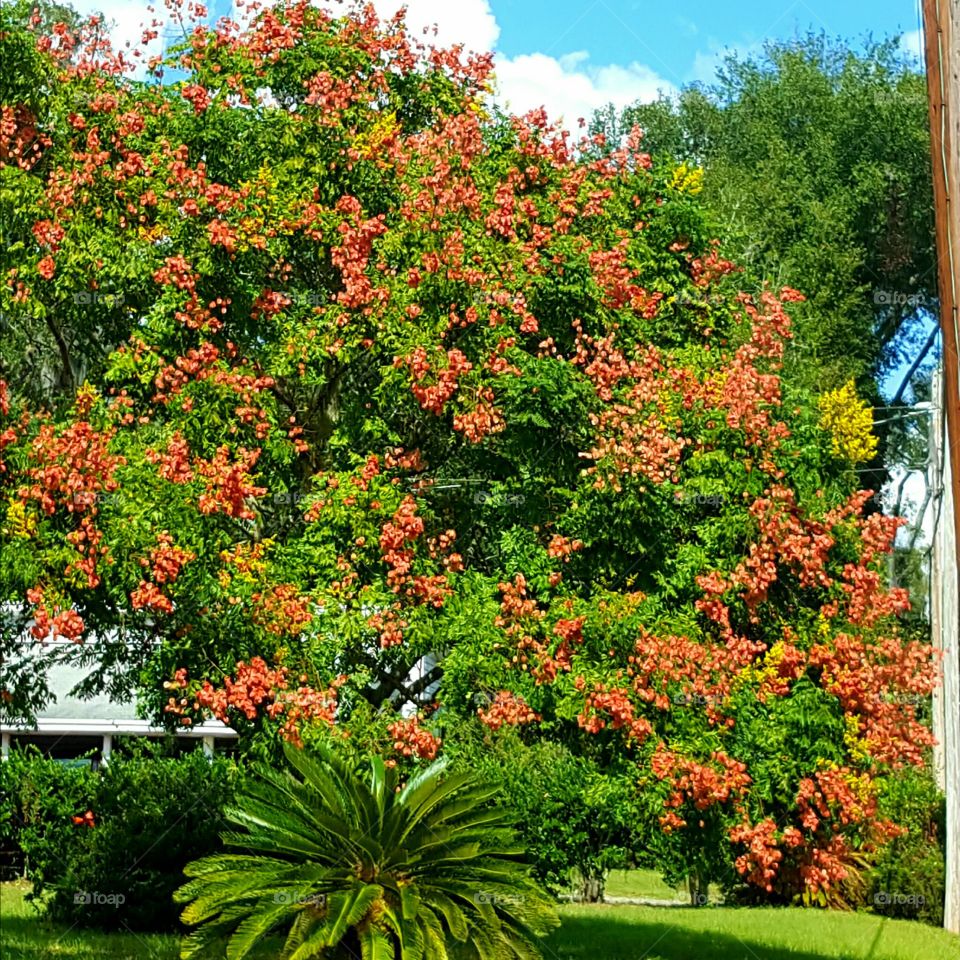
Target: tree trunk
(698, 888)
(591, 887)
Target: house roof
(61, 679)
(66, 714)
(72, 727)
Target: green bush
(908, 879)
(153, 815)
(575, 820)
(38, 800)
(10, 823)
(149, 816)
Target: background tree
(816, 161)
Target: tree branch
(898, 396)
(67, 378)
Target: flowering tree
(362, 392)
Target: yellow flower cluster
(862, 787)
(687, 179)
(857, 746)
(20, 525)
(154, 234)
(246, 563)
(755, 674)
(368, 143)
(263, 189)
(850, 423)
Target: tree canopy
(352, 391)
(816, 161)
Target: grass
(26, 936)
(641, 883)
(595, 932)
(604, 932)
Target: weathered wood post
(941, 21)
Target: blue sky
(623, 45)
(576, 55)
(681, 41)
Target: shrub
(573, 817)
(151, 815)
(39, 799)
(10, 820)
(908, 878)
(347, 863)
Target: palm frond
(334, 854)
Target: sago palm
(341, 863)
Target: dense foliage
(349, 863)
(38, 800)
(577, 819)
(107, 848)
(356, 393)
(816, 159)
(909, 877)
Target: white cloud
(470, 22)
(570, 87)
(912, 43)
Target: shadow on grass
(604, 936)
(35, 938)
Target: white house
(70, 727)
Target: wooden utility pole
(941, 23)
(944, 611)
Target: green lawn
(595, 932)
(26, 936)
(605, 932)
(642, 883)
